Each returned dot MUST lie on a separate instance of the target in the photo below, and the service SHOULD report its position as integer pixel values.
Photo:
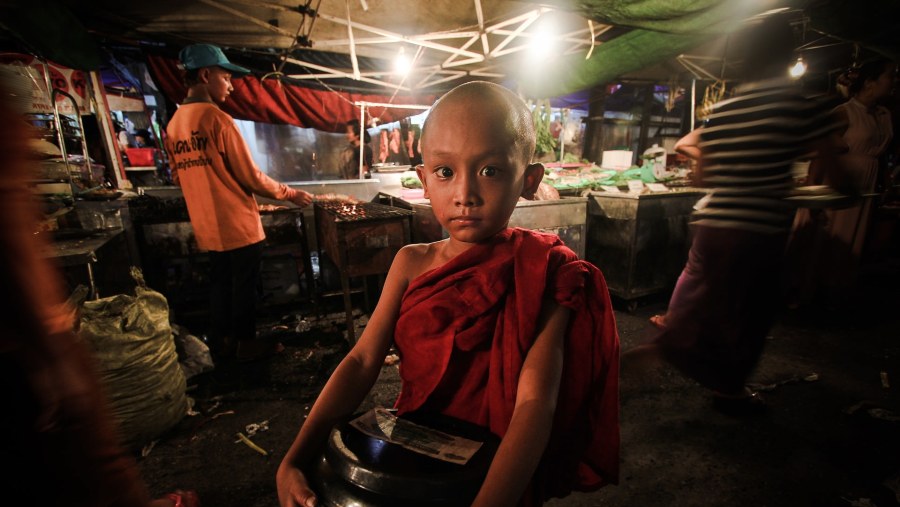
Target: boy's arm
(240, 161)
(345, 389)
(529, 430)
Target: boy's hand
(293, 490)
(302, 198)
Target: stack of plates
(387, 168)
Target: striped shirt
(749, 145)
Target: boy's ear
(420, 169)
(534, 173)
(203, 75)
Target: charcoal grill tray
(361, 211)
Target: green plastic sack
(135, 353)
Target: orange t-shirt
(217, 175)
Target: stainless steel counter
(566, 217)
(640, 242)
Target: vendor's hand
(293, 490)
(302, 198)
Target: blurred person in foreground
(61, 446)
(214, 167)
(730, 291)
(504, 328)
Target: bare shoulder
(414, 259)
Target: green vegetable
(541, 116)
(410, 182)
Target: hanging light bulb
(402, 63)
(798, 69)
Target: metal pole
(362, 138)
(562, 134)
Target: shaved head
(493, 98)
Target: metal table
(77, 247)
(640, 241)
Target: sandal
(255, 350)
(751, 403)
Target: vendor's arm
(529, 430)
(237, 156)
(689, 145)
(826, 166)
(346, 389)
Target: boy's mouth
(465, 219)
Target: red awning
(281, 102)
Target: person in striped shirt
(729, 293)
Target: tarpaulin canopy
(278, 102)
(350, 45)
(665, 29)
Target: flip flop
(255, 350)
(749, 405)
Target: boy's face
(218, 83)
(473, 171)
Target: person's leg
(221, 341)
(753, 274)
(705, 336)
(648, 356)
(245, 265)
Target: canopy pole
(362, 124)
(562, 134)
(362, 138)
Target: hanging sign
(70, 81)
(120, 102)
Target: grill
(361, 239)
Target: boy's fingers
(306, 499)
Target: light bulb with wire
(798, 69)
(402, 63)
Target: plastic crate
(141, 157)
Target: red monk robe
(465, 328)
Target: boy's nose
(466, 191)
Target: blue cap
(197, 56)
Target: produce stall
(640, 241)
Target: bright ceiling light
(543, 40)
(798, 69)
(402, 63)
(541, 44)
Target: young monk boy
(500, 327)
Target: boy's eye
(444, 172)
(489, 171)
